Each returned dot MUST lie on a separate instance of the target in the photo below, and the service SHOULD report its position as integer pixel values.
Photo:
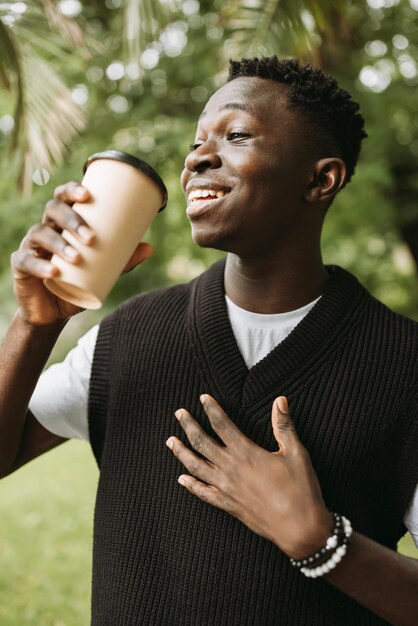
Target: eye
(237, 135)
(194, 146)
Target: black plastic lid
(141, 165)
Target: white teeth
(205, 193)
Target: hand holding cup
(31, 263)
(125, 195)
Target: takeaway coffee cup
(126, 194)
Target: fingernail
(52, 270)
(282, 404)
(203, 398)
(85, 233)
(79, 192)
(169, 443)
(70, 253)
(181, 481)
(179, 414)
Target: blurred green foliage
(149, 104)
(140, 88)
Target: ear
(328, 177)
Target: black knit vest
(163, 557)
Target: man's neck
(272, 286)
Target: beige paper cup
(126, 194)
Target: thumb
(283, 426)
(142, 252)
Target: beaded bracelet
(336, 544)
(335, 558)
(331, 543)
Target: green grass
(46, 513)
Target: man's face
(245, 179)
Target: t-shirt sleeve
(60, 399)
(411, 516)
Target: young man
(268, 328)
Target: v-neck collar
(321, 330)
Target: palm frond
(8, 57)
(46, 117)
(11, 75)
(286, 27)
(50, 118)
(69, 29)
(143, 21)
(55, 33)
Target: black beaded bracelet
(337, 539)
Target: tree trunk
(405, 202)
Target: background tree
(82, 75)
(135, 74)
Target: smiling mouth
(200, 201)
(197, 195)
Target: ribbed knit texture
(163, 557)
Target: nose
(202, 158)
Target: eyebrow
(234, 106)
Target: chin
(230, 246)
(207, 238)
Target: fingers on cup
(71, 192)
(25, 261)
(60, 216)
(46, 241)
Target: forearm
(381, 580)
(278, 496)
(23, 354)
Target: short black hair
(330, 109)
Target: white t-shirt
(60, 399)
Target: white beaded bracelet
(336, 556)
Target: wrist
(312, 536)
(52, 329)
(330, 555)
